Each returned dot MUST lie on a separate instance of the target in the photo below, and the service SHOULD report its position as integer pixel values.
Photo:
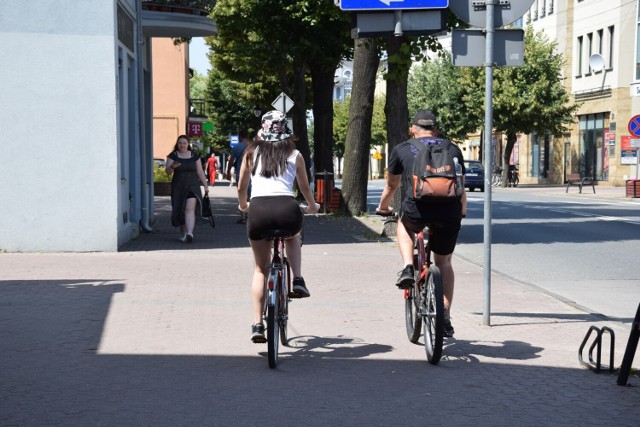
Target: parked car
(474, 175)
(158, 162)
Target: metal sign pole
(488, 157)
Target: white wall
(58, 130)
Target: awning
(170, 24)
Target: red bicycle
(424, 302)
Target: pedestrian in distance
(443, 218)
(235, 162)
(272, 165)
(185, 167)
(212, 168)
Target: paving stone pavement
(158, 334)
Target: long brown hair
(273, 156)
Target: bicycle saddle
(272, 234)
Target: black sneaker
(406, 279)
(189, 238)
(257, 333)
(299, 288)
(448, 329)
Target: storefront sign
(195, 129)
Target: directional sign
(282, 103)
(391, 4)
(634, 125)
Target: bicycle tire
(284, 305)
(272, 333)
(433, 315)
(516, 181)
(413, 320)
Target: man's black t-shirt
(401, 163)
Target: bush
(160, 175)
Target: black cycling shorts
(444, 232)
(267, 214)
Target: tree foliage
(532, 98)
(264, 47)
(437, 86)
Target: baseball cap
(274, 127)
(425, 119)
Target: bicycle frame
(277, 289)
(424, 258)
(276, 268)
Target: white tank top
(276, 185)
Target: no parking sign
(634, 126)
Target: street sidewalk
(158, 334)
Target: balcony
(198, 110)
(178, 18)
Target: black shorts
(444, 232)
(267, 214)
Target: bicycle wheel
(515, 181)
(273, 327)
(412, 316)
(284, 304)
(433, 315)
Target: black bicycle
(278, 294)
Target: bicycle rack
(597, 343)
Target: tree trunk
(322, 81)
(511, 142)
(299, 114)
(358, 138)
(396, 111)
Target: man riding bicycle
(443, 218)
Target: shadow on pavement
(52, 375)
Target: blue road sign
(634, 126)
(391, 4)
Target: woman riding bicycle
(272, 163)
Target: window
(593, 156)
(550, 7)
(579, 57)
(589, 48)
(610, 53)
(540, 148)
(600, 41)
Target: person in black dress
(185, 166)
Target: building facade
(77, 120)
(598, 39)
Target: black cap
(425, 119)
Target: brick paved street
(158, 334)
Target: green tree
(341, 120)
(532, 98)
(198, 86)
(271, 46)
(437, 85)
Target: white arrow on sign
(283, 103)
(388, 2)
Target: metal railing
(192, 7)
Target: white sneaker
(183, 238)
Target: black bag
(434, 171)
(206, 210)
